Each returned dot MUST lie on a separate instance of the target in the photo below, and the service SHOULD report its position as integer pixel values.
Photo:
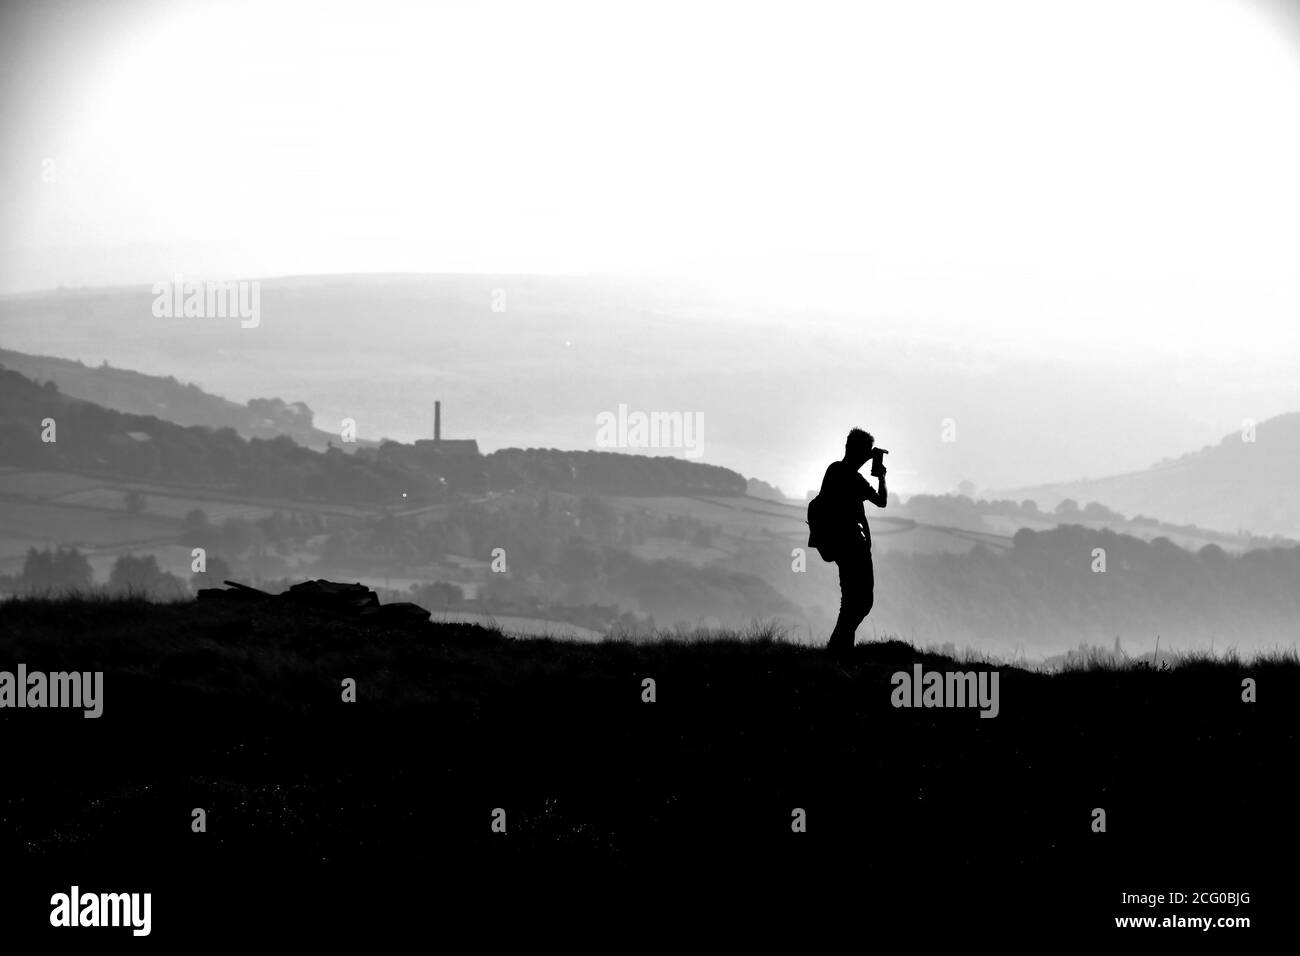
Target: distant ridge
(1235, 485)
(147, 447)
(137, 393)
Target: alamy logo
(102, 909)
(59, 689)
(946, 689)
(209, 300)
(624, 429)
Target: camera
(878, 462)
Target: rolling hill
(136, 393)
(775, 388)
(1236, 485)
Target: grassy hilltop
(908, 810)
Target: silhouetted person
(848, 538)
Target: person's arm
(880, 496)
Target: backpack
(819, 536)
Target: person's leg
(867, 583)
(856, 587)
(842, 635)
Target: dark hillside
(910, 812)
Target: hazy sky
(1114, 173)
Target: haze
(1103, 189)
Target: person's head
(858, 446)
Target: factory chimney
(437, 421)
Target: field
(165, 506)
(80, 526)
(47, 509)
(914, 820)
(41, 508)
(42, 485)
(747, 517)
